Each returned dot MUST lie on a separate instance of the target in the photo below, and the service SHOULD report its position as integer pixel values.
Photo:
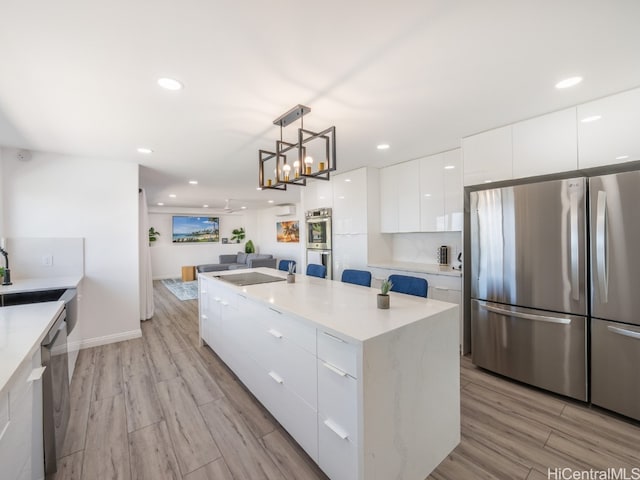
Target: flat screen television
(189, 229)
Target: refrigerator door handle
(601, 246)
(527, 316)
(622, 331)
(575, 248)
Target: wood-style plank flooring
(164, 407)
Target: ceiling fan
(227, 207)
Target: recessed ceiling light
(243, 207)
(193, 182)
(169, 83)
(160, 204)
(449, 167)
(592, 118)
(269, 201)
(258, 188)
(145, 151)
(427, 194)
(568, 82)
(622, 157)
(383, 146)
(347, 179)
(172, 195)
(205, 206)
(488, 181)
(341, 197)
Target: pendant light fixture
(293, 163)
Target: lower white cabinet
(314, 380)
(21, 449)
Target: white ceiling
(79, 77)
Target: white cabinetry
(545, 144)
(350, 202)
(21, 450)
(400, 198)
(612, 138)
(441, 192)
(488, 156)
(317, 194)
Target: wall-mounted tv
(187, 229)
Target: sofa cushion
(237, 266)
(242, 258)
(252, 256)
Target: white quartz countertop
(342, 308)
(433, 269)
(40, 284)
(22, 329)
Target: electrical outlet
(47, 260)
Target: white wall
(422, 247)
(167, 258)
(266, 241)
(56, 195)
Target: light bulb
(286, 168)
(308, 161)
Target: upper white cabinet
(317, 194)
(545, 144)
(350, 202)
(441, 192)
(608, 130)
(488, 156)
(400, 197)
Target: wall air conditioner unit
(285, 210)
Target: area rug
(182, 290)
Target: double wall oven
(318, 224)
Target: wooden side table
(188, 273)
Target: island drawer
(297, 367)
(337, 454)
(338, 352)
(293, 413)
(338, 399)
(293, 329)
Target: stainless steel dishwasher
(55, 391)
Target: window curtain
(146, 278)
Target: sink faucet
(7, 272)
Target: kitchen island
(367, 393)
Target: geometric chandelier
(292, 163)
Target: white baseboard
(97, 341)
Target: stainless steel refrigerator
(615, 286)
(529, 283)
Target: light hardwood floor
(163, 407)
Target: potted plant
(238, 234)
(291, 272)
(153, 235)
(383, 296)
(249, 247)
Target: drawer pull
(333, 337)
(36, 374)
(204, 317)
(624, 332)
(274, 310)
(440, 288)
(336, 429)
(334, 369)
(275, 333)
(277, 378)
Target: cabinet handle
(333, 337)
(204, 317)
(440, 288)
(336, 429)
(334, 369)
(277, 378)
(275, 333)
(274, 310)
(36, 374)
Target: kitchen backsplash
(423, 247)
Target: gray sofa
(238, 261)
